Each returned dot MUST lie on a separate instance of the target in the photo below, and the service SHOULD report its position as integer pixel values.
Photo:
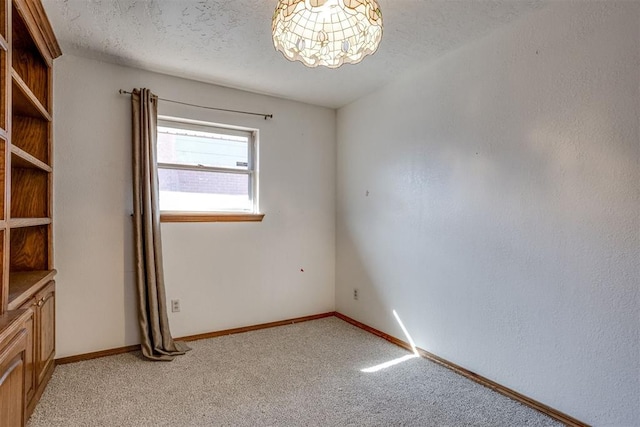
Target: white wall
(225, 274)
(502, 215)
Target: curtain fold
(155, 336)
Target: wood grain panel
(31, 135)
(11, 392)
(33, 72)
(27, 61)
(3, 152)
(12, 396)
(24, 102)
(3, 94)
(29, 360)
(3, 19)
(28, 249)
(40, 389)
(4, 284)
(46, 329)
(29, 193)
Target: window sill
(210, 217)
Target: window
(206, 172)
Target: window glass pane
(196, 147)
(203, 191)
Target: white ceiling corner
(228, 42)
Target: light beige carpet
(307, 374)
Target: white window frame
(252, 171)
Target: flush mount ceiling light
(327, 32)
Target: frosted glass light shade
(327, 32)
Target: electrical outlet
(355, 294)
(175, 305)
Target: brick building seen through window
(206, 168)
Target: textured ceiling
(228, 42)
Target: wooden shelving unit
(22, 159)
(27, 290)
(29, 217)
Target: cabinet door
(12, 397)
(30, 355)
(46, 324)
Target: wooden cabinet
(27, 50)
(13, 365)
(45, 323)
(40, 350)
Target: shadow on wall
(353, 273)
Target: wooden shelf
(24, 284)
(3, 43)
(3, 134)
(28, 222)
(24, 101)
(22, 159)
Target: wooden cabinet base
(13, 346)
(41, 343)
(12, 382)
(38, 394)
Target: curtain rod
(266, 116)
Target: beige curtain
(156, 340)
